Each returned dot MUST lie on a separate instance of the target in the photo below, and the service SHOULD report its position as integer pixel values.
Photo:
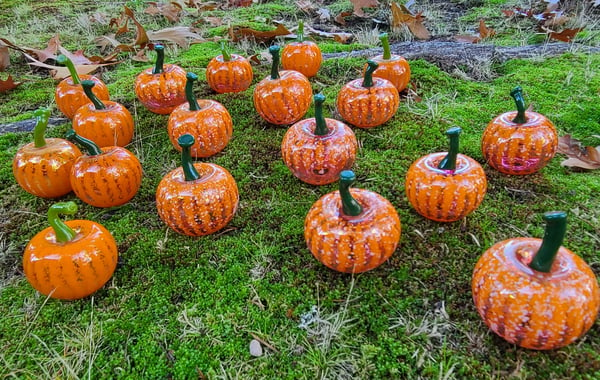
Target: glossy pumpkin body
(352, 244)
(532, 309)
(211, 127)
(445, 195)
(283, 100)
(70, 97)
(109, 179)
(519, 148)
(44, 171)
(199, 207)
(315, 159)
(234, 75)
(368, 107)
(304, 57)
(112, 126)
(162, 92)
(396, 70)
(74, 269)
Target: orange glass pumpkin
(392, 67)
(69, 95)
(352, 230)
(368, 102)
(303, 56)
(283, 97)
(207, 120)
(446, 186)
(70, 260)
(161, 88)
(42, 168)
(196, 199)
(229, 72)
(519, 142)
(105, 123)
(535, 293)
(105, 177)
(316, 150)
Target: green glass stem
(189, 171)
(556, 227)
(274, 50)
(350, 206)
(90, 147)
(160, 59)
(321, 128)
(63, 60)
(385, 42)
(41, 115)
(300, 31)
(225, 52)
(189, 92)
(368, 78)
(449, 161)
(88, 85)
(517, 94)
(63, 233)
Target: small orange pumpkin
(519, 142)
(70, 260)
(316, 150)
(105, 177)
(196, 199)
(105, 123)
(283, 97)
(161, 88)
(69, 95)
(207, 120)
(352, 230)
(42, 167)
(391, 67)
(535, 293)
(303, 56)
(368, 102)
(229, 72)
(446, 186)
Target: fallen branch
(29, 124)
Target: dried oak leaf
(4, 57)
(260, 36)
(484, 32)
(579, 157)
(360, 4)
(341, 18)
(567, 35)
(8, 84)
(179, 35)
(401, 15)
(171, 10)
(43, 55)
(343, 38)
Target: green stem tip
(189, 91)
(225, 52)
(88, 85)
(556, 228)
(189, 171)
(63, 60)
(350, 206)
(385, 42)
(63, 233)
(91, 148)
(160, 59)
(300, 31)
(274, 50)
(368, 78)
(449, 162)
(41, 115)
(517, 94)
(321, 128)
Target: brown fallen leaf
(580, 157)
(210, 20)
(567, 35)
(179, 35)
(484, 32)
(43, 55)
(258, 35)
(341, 18)
(4, 57)
(403, 16)
(61, 72)
(172, 11)
(343, 38)
(8, 84)
(360, 4)
(202, 6)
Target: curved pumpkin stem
(88, 85)
(189, 171)
(368, 78)
(321, 128)
(449, 162)
(160, 59)
(189, 92)
(225, 52)
(274, 50)
(385, 42)
(41, 115)
(556, 227)
(63, 60)
(517, 94)
(90, 147)
(350, 206)
(63, 233)
(300, 31)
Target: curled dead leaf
(402, 16)
(579, 157)
(360, 4)
(4, 57)
(8, 84)
(236, 34)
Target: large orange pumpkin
(519, 142)
(392, 67)
(207, 120)
(352, 230)
(316, 150)
(69, 95)
(42, 168)
(368, 102)
(105, 123)
(105, 177)
(196, 199)
(446, 186)
(300, 55)
(283, 97)
(70, 260)
(161, 88)
(229, 72)
(535, 293)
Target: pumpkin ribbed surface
(284, 100)
(445, 195)
(162, 92)
(198, 207)
(69, 97)
(108, 179)
(533, 309)
(74, 269)
(367, 107)
(112, 126)
(519, 149)
(352, 244)
(44, 171)
(304, 57)
(211, 127)
(396, 70)
(234, 75)
(315, 159)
